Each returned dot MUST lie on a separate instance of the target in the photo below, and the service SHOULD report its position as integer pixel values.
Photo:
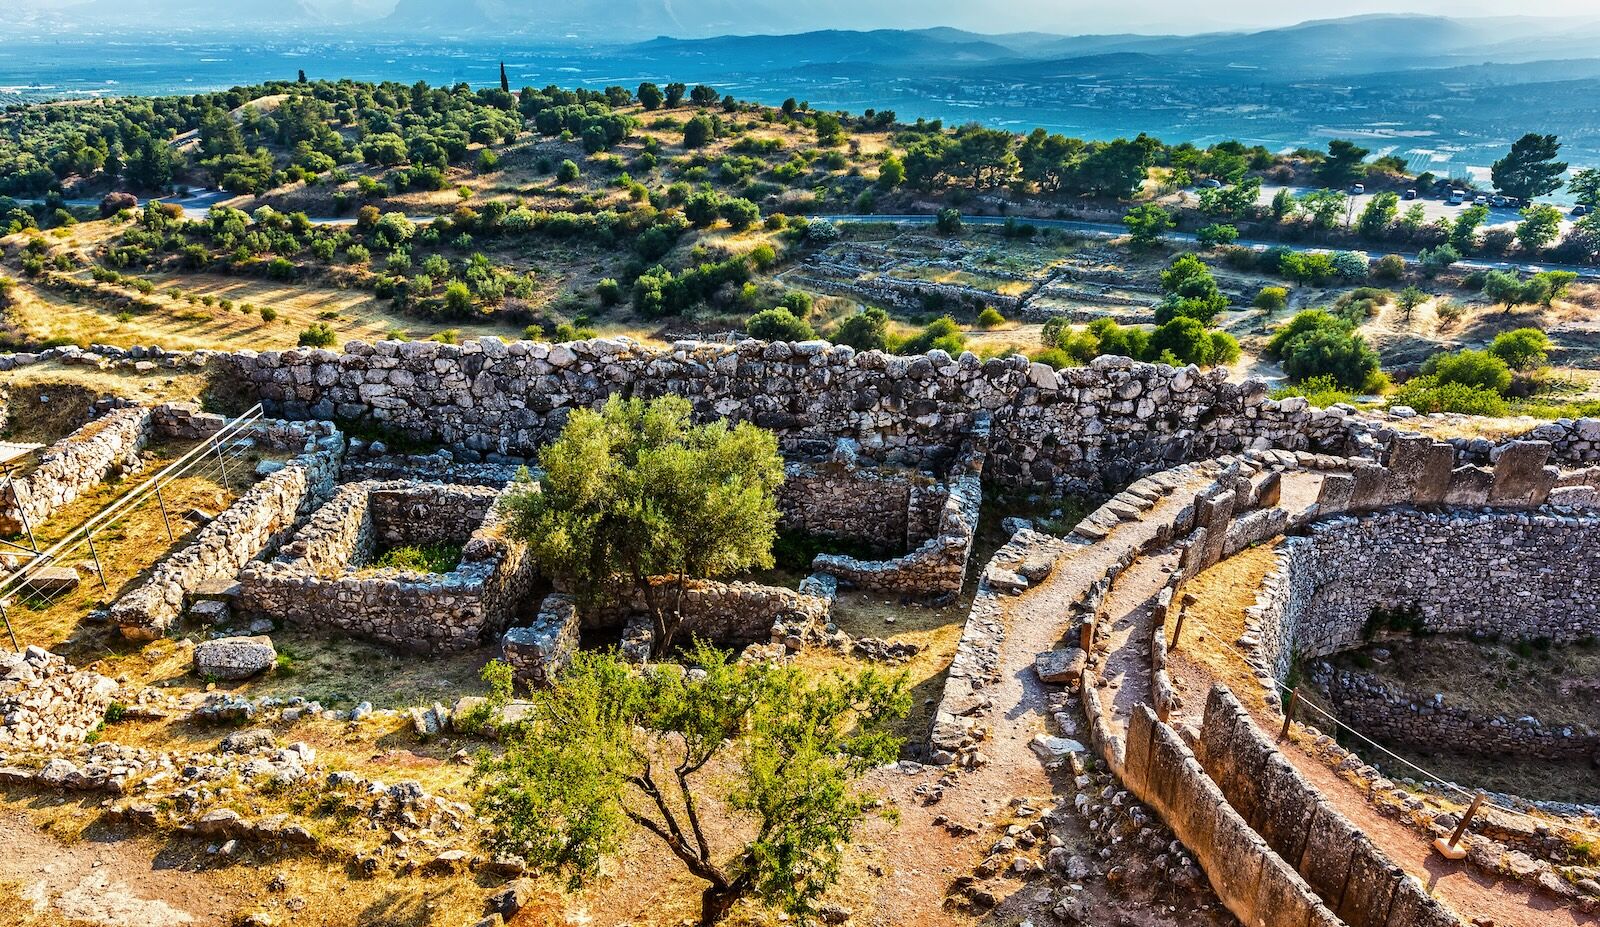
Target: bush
(867, 330)
(568, 171)
(1352, 265)
(319, 335)
(778, 325)
(942, 333)
(1522, 348)
(990, 317)
(1271, 299)
(268, 314)
(1477, 369)
(1213, 235)
(1428, 394)
(1317, 343)
(1321, 391)
(1389, 267)
(948, 221)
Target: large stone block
(1519, 474)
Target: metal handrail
(75, 537)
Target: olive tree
(637, 492)
(754, 746)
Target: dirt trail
(1224, 592)
(1035, 621)
(1126, 673)
(114, 883)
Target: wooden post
(1448, 848)
(1288, 713)
(99, 569)
(1466, 819)
(1177, 631)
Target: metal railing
(213, 452)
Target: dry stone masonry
(74, 465)
(317, 579)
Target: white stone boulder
(235, 657)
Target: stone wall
(314, 581)
(1362, 886)
(938, 565)
(74, 465)
(1518, 575)
(538, 652)
(46, 703)
(1383, 709)
(882, 508)
(1100, 425)
(256, 522)
(726, 614)
(1250, 878)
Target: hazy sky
(703, 17)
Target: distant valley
(1446, 94)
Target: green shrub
(319, 335)
(420, 558)
(1521, 348)
(1317, 343)
(1428, 394)
(1477, 369)
(779, 324)
(268, 314)
(990, 317)
(1321, 391)
(867, 330)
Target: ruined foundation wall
(1096, 425)
(1345, 869)
(74, 465)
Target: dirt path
(1209, 655)
(1126, 674)
(924, 854)
(112, 883)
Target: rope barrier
(1436, 778)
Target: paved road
(1107, 230)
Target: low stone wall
(257, 522)
(74, 465)
(1381, 709)
(46, 703)
(314, 583)
(538, 652)
(939, 564)
(1252, 880)
(1341, 865)
(726, 614)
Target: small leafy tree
(1521, 348)
(1409, 299)
(608, 747)
(637, 491)
(778, 324)
(1271, 299)
(1146, 223)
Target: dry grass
(126, 548)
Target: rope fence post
(1449, 849)
(1288, 713)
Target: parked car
(1211, 183)
(1482, 200)
(1457, 197)
(1497, 200)
(1580, 210)
(1357, 189)
(1410, 195)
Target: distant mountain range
(1445, 93)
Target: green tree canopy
(636, 492)
(1343, 163)
(1521, 348)
(1530, 169)
(1146, 223)
(756, 745)
(1318, 343)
